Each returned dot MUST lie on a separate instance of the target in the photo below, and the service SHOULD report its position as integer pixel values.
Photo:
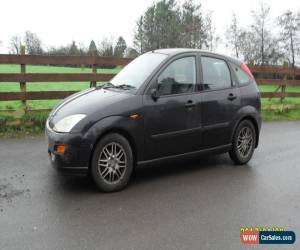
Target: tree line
(167, 24)
(34, 46)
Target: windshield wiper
(107, 85)
(125, 86)
(121, 86)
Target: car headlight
(66, 124)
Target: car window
(242, 77)
(179, 77)
(216, 74)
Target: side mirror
(154, 94)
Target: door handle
(231, 97)
(190, 104)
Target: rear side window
(216, 74)
(241, 76)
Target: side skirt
(214, 150)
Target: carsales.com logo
(266, 236)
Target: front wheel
(112, 163)
(243, 144)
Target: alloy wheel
(245, 142)
(112, 163)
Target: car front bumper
(75, 159)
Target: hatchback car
(165, 104)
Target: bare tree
(212, 39)
(248, 49)
(289, 23)
(33, 43)
(233, 36)
(15, 44)
(260, 27)
(106, 47)
(261, 30)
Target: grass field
(77, 86)
(44, 86)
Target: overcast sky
(59, 22)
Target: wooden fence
(265, 75)
(88, 61)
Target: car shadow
(150, 173)
(189, 166)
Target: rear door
(220, 100)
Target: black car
(165, 104)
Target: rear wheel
(112, 163)
(244, 141)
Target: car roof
(176, 51)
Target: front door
(171, 124)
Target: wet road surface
(194, 204)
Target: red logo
(250, 237)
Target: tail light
(245, 68)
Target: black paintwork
(169, 126)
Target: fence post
(94, 70)
(285, 78)
(23, 84)
(283, 88)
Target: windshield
(137, 71)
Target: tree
(131, 53)
(233, 36)
(212, 40)
(60, 51)
(289, 24)
(120, 47)
(149, 31)
(92, 48)
(262, 35)
(15, 44)
(248, 49)
(33, 43)
(73, 50)
(193, 33)
(166, 25)
(158, 27)
(82, 50)
(106, 47)
(138, 40)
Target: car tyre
(112, 163)
(243, 143)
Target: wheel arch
(120, 131)
(252, 119)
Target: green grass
(291, 115)
(77, 86)
(45, 86)
(11, 68)
(31, 124)
(276, 101)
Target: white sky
(58, 22)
